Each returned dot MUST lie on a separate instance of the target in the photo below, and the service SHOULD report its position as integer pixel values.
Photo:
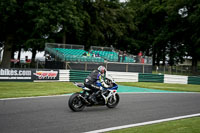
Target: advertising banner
(46, 75)
(15, 75)
(28, 74)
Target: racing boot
(98, 93)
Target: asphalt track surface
(52, 115)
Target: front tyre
(112, 102)
(75, 103)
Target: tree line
(167, 30)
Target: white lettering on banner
(4, 77)
(15, 77)
(46, 74)
(7, 72)
(23, 77)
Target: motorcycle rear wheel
(112, 103)
(75, 103)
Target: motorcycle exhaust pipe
(85, 100)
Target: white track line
(18, 98)
(142, 124)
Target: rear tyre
(75, 103)
(112, 103)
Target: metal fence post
(143, 68)
(126, 67)
(86, 66)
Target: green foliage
(164, 29)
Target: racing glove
(104, 85)
(101, 88)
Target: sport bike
(106, 96)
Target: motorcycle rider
(96, 76)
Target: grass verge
(164, 86)
(28, 89)
(190, 125)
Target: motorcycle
(106, 96)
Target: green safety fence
(193, 80)
(78, 76)
(148, 77)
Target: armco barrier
(147, 77)
(123, 76)
(193, 80)
(64, 75)
(175, 79)
(78, 76)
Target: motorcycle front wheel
(75, 103)
(112, 103)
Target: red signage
(46, 74)
(14, 60)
